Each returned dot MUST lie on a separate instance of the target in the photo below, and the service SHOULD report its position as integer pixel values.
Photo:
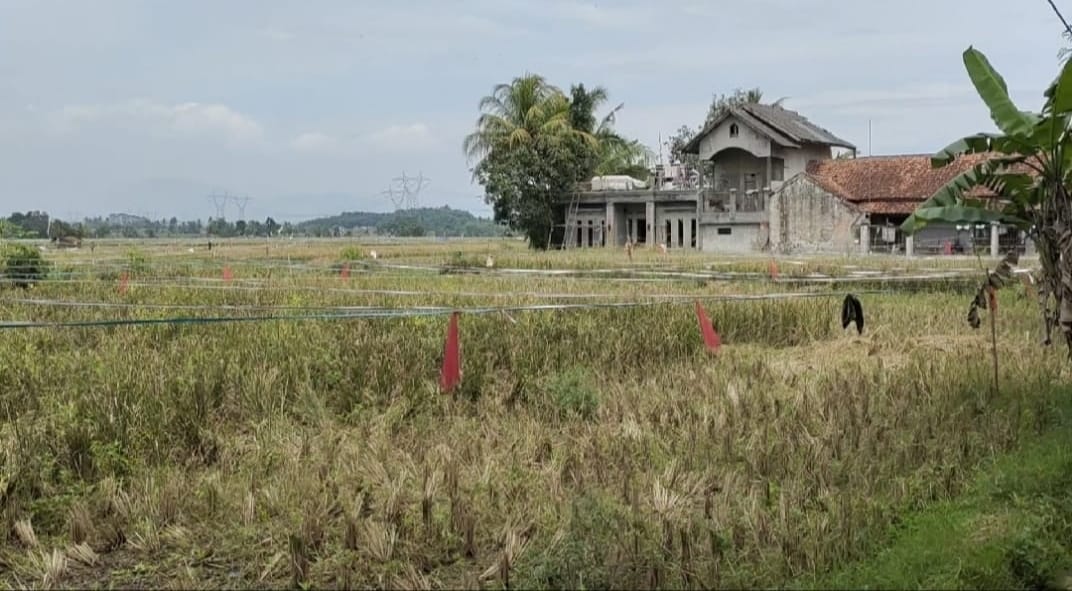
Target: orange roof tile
(887, 184)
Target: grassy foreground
(1011, 529)
(584, 448)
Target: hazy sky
(313, 106)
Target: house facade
(769, 180)
(858, 205)
(746, 154)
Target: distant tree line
(425, 221)
(442, 221)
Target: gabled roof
(785, 128)
(887, 184)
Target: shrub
(137, 263)
(24, 265)
(573, 394)
(352, 253)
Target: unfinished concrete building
(746, 153)
(770, 180)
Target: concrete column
(672, 239)
(994, 243)
(611, 227)
(733, 201)
(649, 219)
(686, 240)
(909, 245)
(699, 218)
(865, 239)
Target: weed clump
(573, 394)
(24, 265)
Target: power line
(1068, 28)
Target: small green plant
(24, 265)
(352, 253)
(573, 394)
(137, 263)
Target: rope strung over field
(350, 313)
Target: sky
(314, 107)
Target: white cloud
(415, 136)
(314, 141)
(189, 119)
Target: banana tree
(1023, 182)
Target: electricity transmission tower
(240, 203)
(404, 191)
(220, 201)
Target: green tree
(528, 154)
(614, 154)
(1028, 171)
(10, 229)
(721, 102)
(533, 143)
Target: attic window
(734, 130)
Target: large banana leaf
(980, 143)
(951, 204)
(1059, 94)
(951, 214)
(992, 89)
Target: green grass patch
(1011, 529)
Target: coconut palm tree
(517, 114)
(613, 154)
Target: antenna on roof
(868, 137)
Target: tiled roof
(794, 125)
(887, 184)
(785, 128)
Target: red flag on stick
(228, 275)
(124, 282)
(710, 337)
(345, 271)
(773, 269)
(993, 296)
(451, 373)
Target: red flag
(451, 373)
(345, 271)
(228, 274)
(710, 337)
(993, 294)
(124, 282)
(773, 269)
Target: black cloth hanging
(852, 312)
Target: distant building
(745, 153)
(770, 180)
(835, 204)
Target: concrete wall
(805, 218)
(681, 217)
(719, 139)
(591, 222)
(732, 166)
(743, 238)
(796, 160)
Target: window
(734, 130)
(725, 231)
